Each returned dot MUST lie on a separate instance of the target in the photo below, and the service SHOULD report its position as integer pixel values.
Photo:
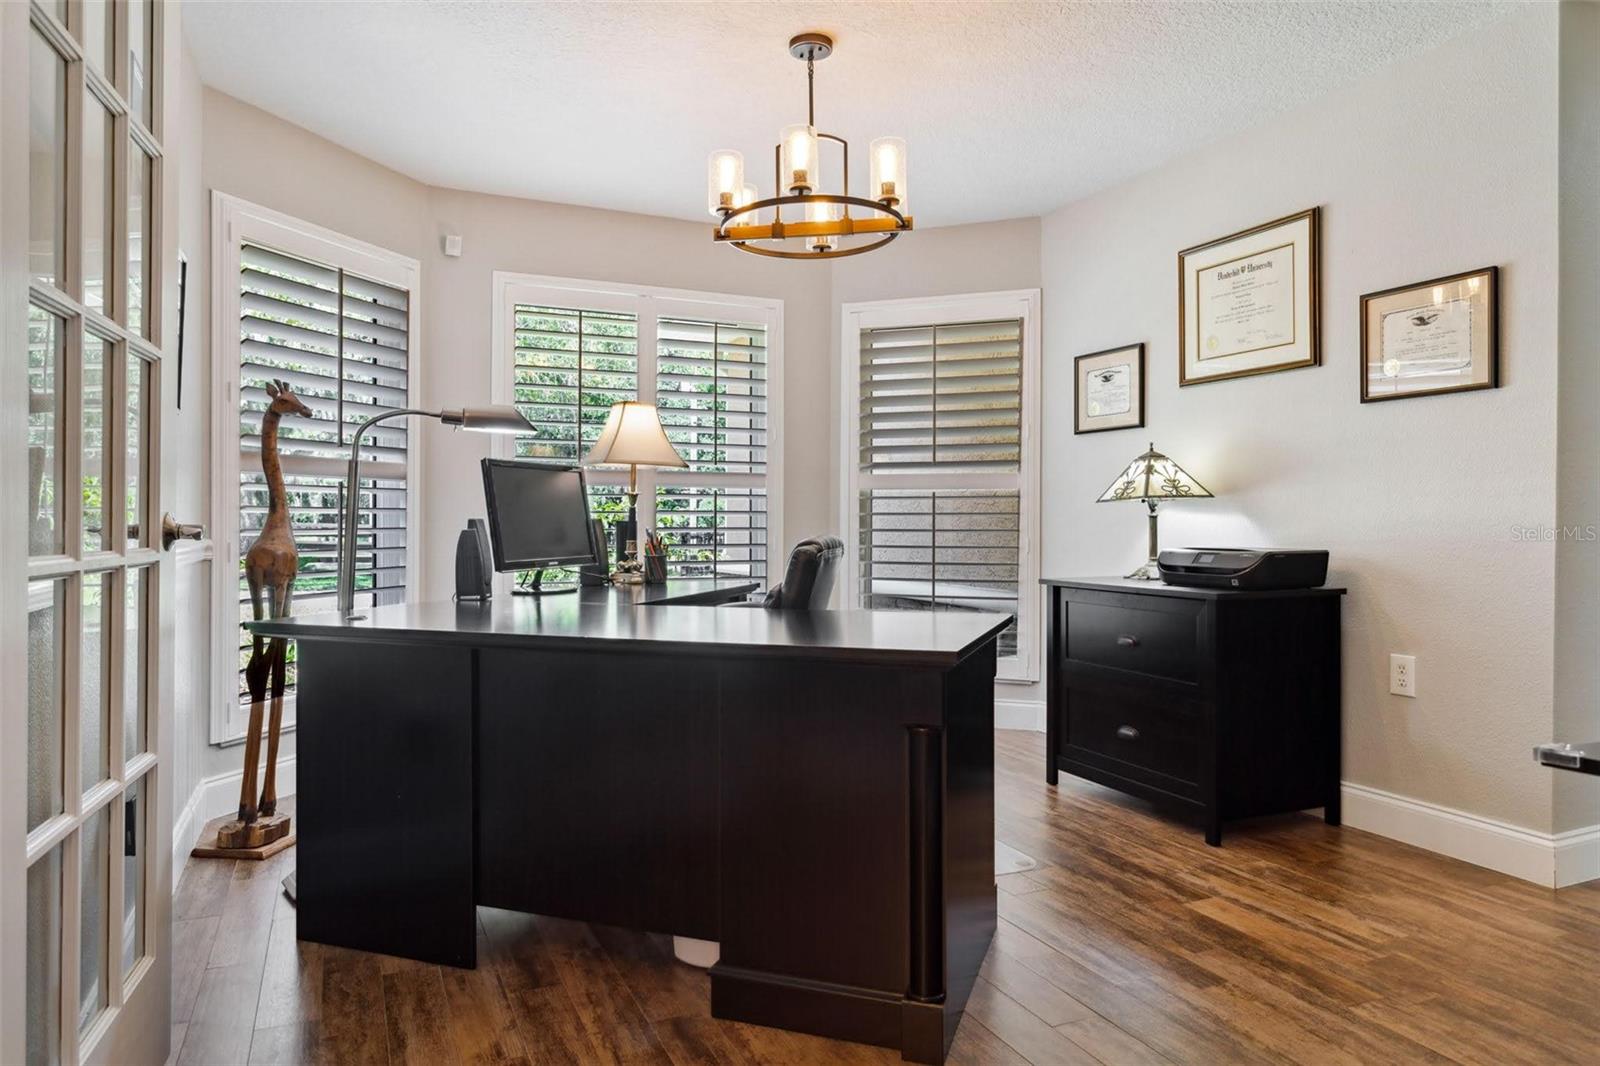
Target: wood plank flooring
(1132, 943)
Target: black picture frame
(1489, 280)
(1080, 369)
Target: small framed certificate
(1108, 388)
(1249, 303)
(1431, 337)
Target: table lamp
(1152, 478)
(632, 437)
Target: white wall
(1444, 163)
(1577, 675)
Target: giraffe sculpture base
(232, 839)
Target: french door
(86, 612)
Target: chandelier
(821, 221)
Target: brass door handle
(1128, 641)
(1127, 732)
(172, 529)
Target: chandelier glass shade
(819, 224)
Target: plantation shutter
(342, 343)
(569, 366)
(940, 459)
(711, 392)
(942, 397)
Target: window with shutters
(567, 350)
(334, 319)
(941, 487)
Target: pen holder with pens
(655, 561)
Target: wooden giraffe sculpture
(270, 566)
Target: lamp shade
(494, 418)
(633, 436)
(1153, 476)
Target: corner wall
(1443, 163)
(1577, 670)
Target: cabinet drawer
(1164, 740)
(1161, 642)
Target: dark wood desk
(813, 790)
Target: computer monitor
(538, 516)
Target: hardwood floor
(1131, 943)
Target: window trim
(235, 222)
(921, 311)
(650, 303)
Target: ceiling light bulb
(888, 156)
(818, 211)
(747, 196)
(724, 181)
(798, 166)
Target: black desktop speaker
(599, 571)
(474, 563)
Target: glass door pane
(136, 425)
(133, 870)
(139, 173)
(93, 448)
(97, 209)
(46, 333)
(46, 603)
(93, 719)
(94, 33)
(135, 638)
(93, 893)
(44, 960)
(47, 160)
(140, 33)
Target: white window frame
(923, 311)
(234, 223)
(652, 303)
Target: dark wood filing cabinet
(1219, 703)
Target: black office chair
(808, 582)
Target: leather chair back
(808, 583)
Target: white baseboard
(1553, 860)
(1019, 714)
(212, 798)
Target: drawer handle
(1128, 641)
(1127, 732)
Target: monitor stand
(538, 589)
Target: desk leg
(384, 767)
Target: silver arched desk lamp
(495, 418)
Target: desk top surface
(601, 618)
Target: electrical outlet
(1403, 675)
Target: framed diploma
(1108, 389)
(1431, 337)
(1248, 303)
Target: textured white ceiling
(1011, 109)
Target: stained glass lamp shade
(1152, 478)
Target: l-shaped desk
(812, 790)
